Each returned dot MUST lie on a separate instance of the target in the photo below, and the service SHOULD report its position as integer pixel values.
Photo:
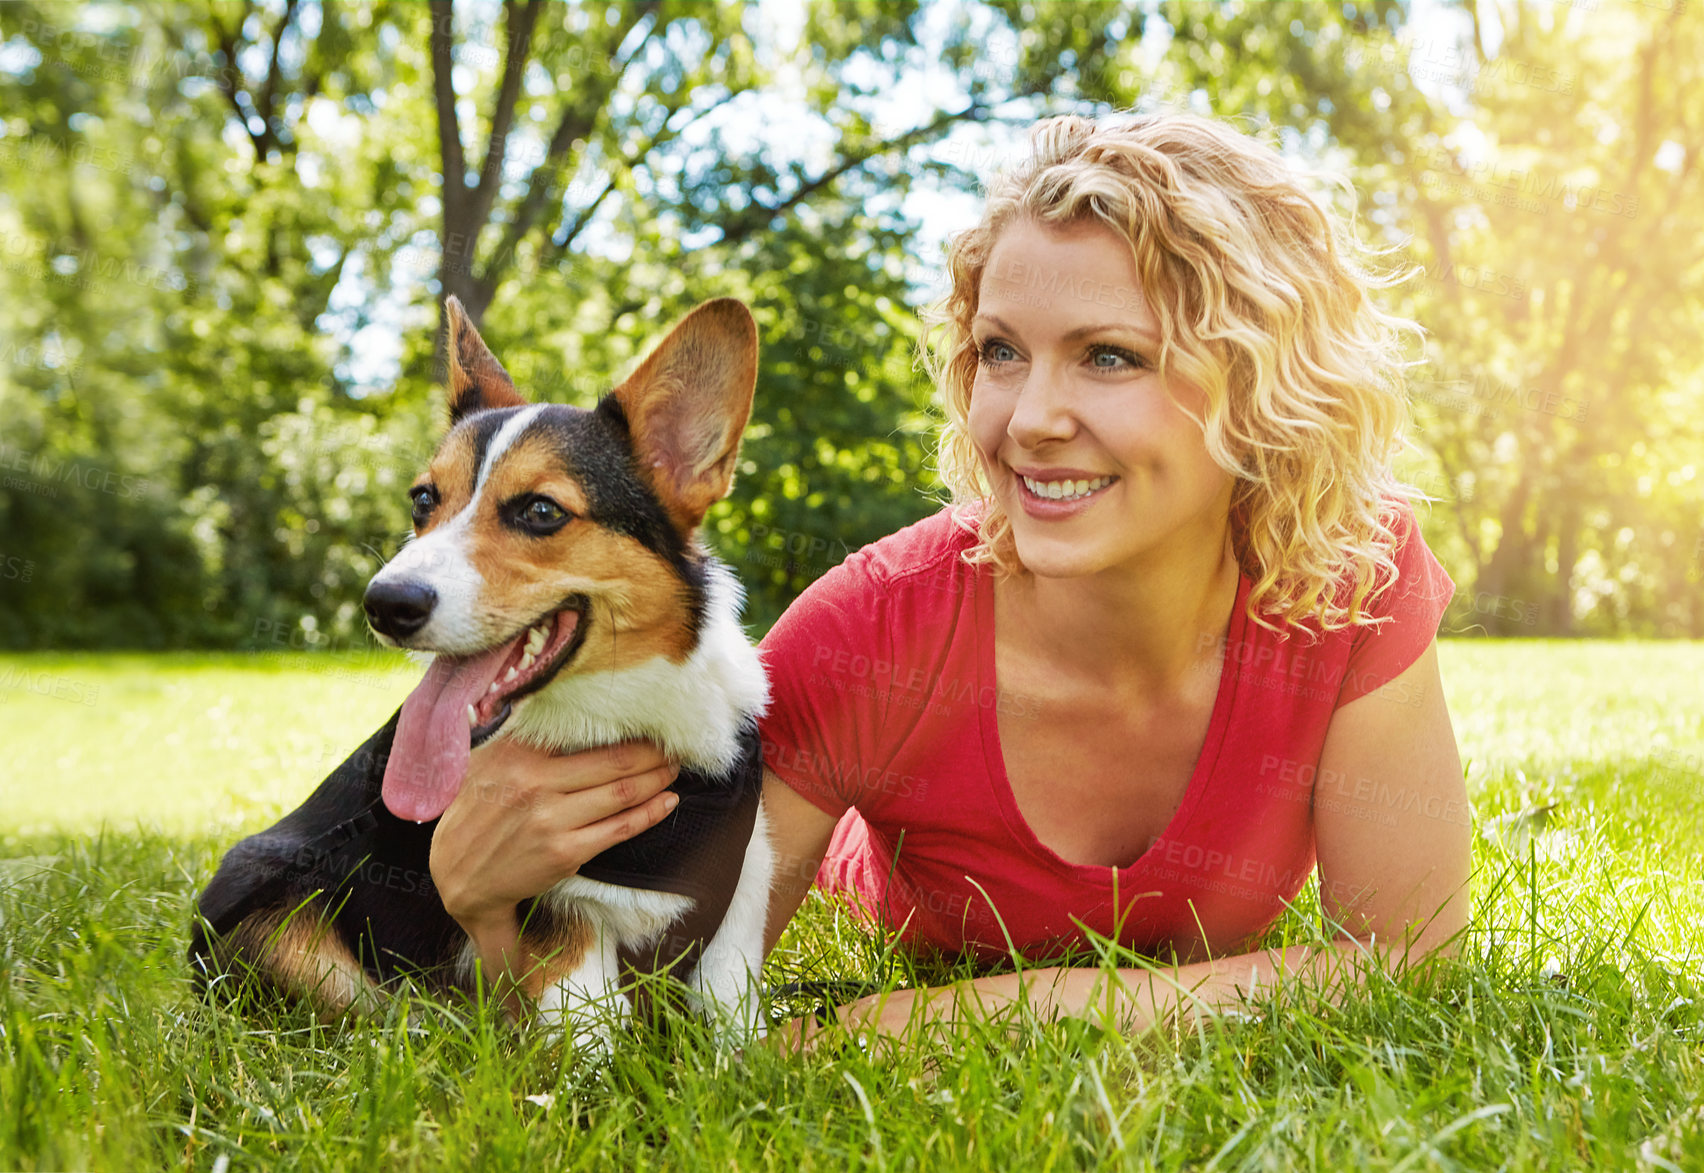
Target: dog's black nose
(399, 609)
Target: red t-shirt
(884, 714)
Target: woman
(1171, 648)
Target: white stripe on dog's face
(500, 444)
(440, 559)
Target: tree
(1563, 241)
(262, 197)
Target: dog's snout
(399, 609)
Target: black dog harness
(698, 851)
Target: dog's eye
(541, 515)
(424, 500)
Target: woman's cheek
(989, 413)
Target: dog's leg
(585, 999)
(303, 957)
(729, 974)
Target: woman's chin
(1056, 558)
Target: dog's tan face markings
(452, 472)
(636, 610)
(530, 466)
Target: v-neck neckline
(1000, 783)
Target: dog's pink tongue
(430, 752)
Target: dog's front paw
(588, 1021)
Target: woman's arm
(799, 833)
(1133, 1001)
(1392, 827)
(524, 820)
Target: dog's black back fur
(348, 855)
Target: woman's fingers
(569, 792)
(624, 824)
(599, 804)
(525, 820)
(593, 767)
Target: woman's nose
(1042, 412)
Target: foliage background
(226, 229)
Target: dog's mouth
(534, 658)
(463, 701)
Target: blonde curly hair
(1262, 298)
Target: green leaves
(221, 227)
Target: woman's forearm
(497, 946)
(1132, 999)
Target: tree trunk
(1558, 618)
(1514, 551)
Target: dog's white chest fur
(695, 710)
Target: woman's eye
(1113, 358)
(998, 352)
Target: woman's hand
(1129, 1002)
(890, 1014)
(525, 820)
(906, 1015)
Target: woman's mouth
(1059, 498)
(1064, 490)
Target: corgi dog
(556, 578)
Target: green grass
(1572, 1035)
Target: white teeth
(526, 662)
(494, 688)
(535, 640)
(472, 717)
(510, 675)
(1066, 490)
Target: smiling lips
(1065, 490)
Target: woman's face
(1091, 459)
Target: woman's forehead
(1064, 276)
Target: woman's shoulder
(919, 565)
(846, 657)
(1407, 578)
(919, 550)
(1416, 581)
(901, 579)
(1404, 610)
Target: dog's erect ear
(477, 379)
(687, 407)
